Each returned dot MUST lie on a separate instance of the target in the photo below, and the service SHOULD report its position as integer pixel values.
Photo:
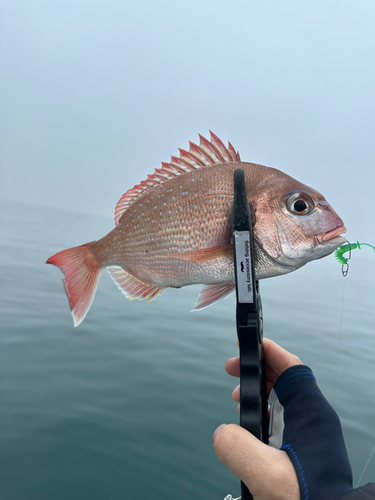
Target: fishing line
(339, 254)
(359, 480)
(340, 332)
(344, 261)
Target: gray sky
(95, 94)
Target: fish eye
(300, 203)
(299, 206)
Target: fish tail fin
(82, 273)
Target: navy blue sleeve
(307, 428)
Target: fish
(173, 229)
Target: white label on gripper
(243, 263)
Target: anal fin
(212, 293)
(132, 287)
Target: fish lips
(332, 236)
(331, 240)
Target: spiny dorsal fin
(206, 154)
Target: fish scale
(179, 222)
(173, 229)
(181, 217)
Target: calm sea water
(125, 405)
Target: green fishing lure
(339, 254)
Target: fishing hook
(339, 254)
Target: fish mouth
(330, 235)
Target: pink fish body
(173, 230)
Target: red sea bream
(173, 229)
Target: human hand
(277, 360)
(267, 472)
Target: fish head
(294, 223)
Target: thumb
(268, 473)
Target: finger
(262, 468)
(271, 375)
(278, 359)
(269, 388)
(232, 366)
(236, 394)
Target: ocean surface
(124, 406)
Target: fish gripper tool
(249, 319)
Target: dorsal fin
(206, 154)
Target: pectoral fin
(212, 293)
(205, 254)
